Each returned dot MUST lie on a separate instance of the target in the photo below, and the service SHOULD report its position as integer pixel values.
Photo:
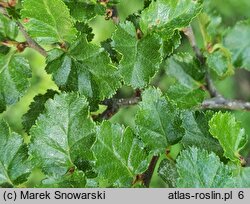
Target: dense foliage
(185, 132)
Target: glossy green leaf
(238, 41)
(158, 123)
(48, 21)
(197, 132)
(185, 69)
(8, 28)
(14, 79)
(63, 135)
(36, 108)
(199, 169)
(70, 180)
(84, 10)
(166, 16)
(168, 172)
(85, 68)
(140, 57)
(185, 97)
(14, 165)
(120, 156)
(230, 134)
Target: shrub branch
(217, 101)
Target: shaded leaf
(185, 69)
(14, 79)
(230, 134)
(197, 132)
(238, 42)
(14, 165)
(158, 123)
(70, 180)
(185, 97)
(120, 155)
(36, 108)
(85, 68)
(199, 169)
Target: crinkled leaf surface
(220, 63)
(197, 132)
(120, 155)
(185, 69)
(14, 165)
(8, 28)
(70, 180)
(36, 108)
(84, 10)
(63, 135)
(166, 16)
(85, 68)
(140, 57)
(185, 97)
(199, 169)
(241, 178)
(48, 21)
(230, 134)
(158, 123)
(238, 41)
(14, 79)
(168, 172)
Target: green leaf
(169, 45)
(85, 68)
(70, 180)
(168, 172)
(158, 123)
(14, 165)
(14, 79)
(185, 69)
(36, 108)
(84, 11)
(185, 97)
(220, 63)
(8, 28)
(241, 177)
(48, 21)
(63, 135)
(166, 16)
(230, 134)
(197, 132)
(140, 57)
(238, 42)
(120, 155)
(199, 169)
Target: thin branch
(113, 106)
(31, 43)
(209, 83)
(147, 175)
(222, 103)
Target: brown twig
(147, 175)
(31, 43)
(113, 106)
